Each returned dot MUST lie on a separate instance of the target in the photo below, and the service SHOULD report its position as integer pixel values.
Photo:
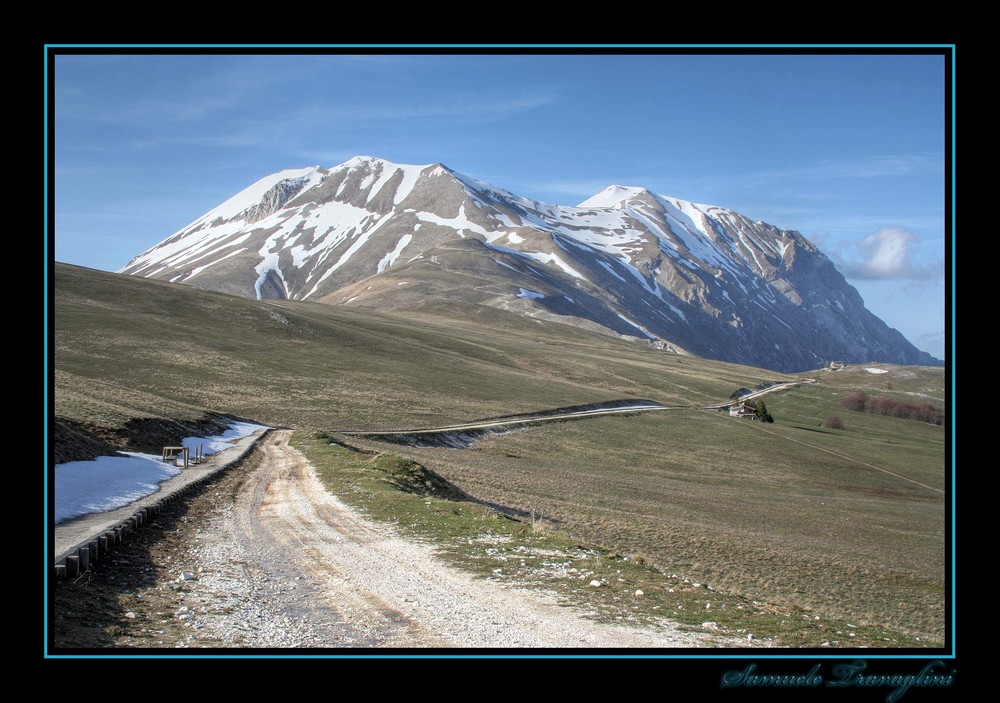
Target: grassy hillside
(326, 366)
(757, 510)
(848, 523)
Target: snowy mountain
(696, 278)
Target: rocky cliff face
(627, 261)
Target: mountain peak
(626, 261)
(363, 161)
(613, 196)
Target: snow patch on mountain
(247, 198)
(698, 276)
(389, 258)
(213, 262)
(460, 223)
(346, 256)
(612, 196)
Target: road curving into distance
(574, 413)
(285, 563)
(629, 405)
(334, 578)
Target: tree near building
(761, 409)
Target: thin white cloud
(325, 158)
(808, 196)
(468, 106)
(773, 180)
(849, 223)
(577, 190)
(887, 255)
(876, 166)
(793, 182)
(288, 127)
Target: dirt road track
(514, 421)
(336, 579)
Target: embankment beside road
(86, 539)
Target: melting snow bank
(872, 369)
(110, 482)
(217, 443)
(107, 482)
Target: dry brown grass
(779, 513)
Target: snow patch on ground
(110, 482)
(391, 257)
(458, 223)
(607, 267)
(540, 257)
(269, 263)
(639, 327)
(525, 293)
(505, 219)
(107, 482)
(220, 442)
(410, 176)
(677, 311)
(201, 233)
(345, 257)
(385, 174)
(872, 369)
(553, 259)
(332, 222)
(781, 321)
(201, 268)
(749, 248)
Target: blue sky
(848, 150)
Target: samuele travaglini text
(850, 675)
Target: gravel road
(268, 558)
(286, 564)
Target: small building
(742, 411)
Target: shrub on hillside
(855, 401)
(880, 405)
(833, 422)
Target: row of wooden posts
(173, 452)
(79, 563)
(80, 558)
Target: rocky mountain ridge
(688, 277)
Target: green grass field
(531, 552)
(844, 524)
